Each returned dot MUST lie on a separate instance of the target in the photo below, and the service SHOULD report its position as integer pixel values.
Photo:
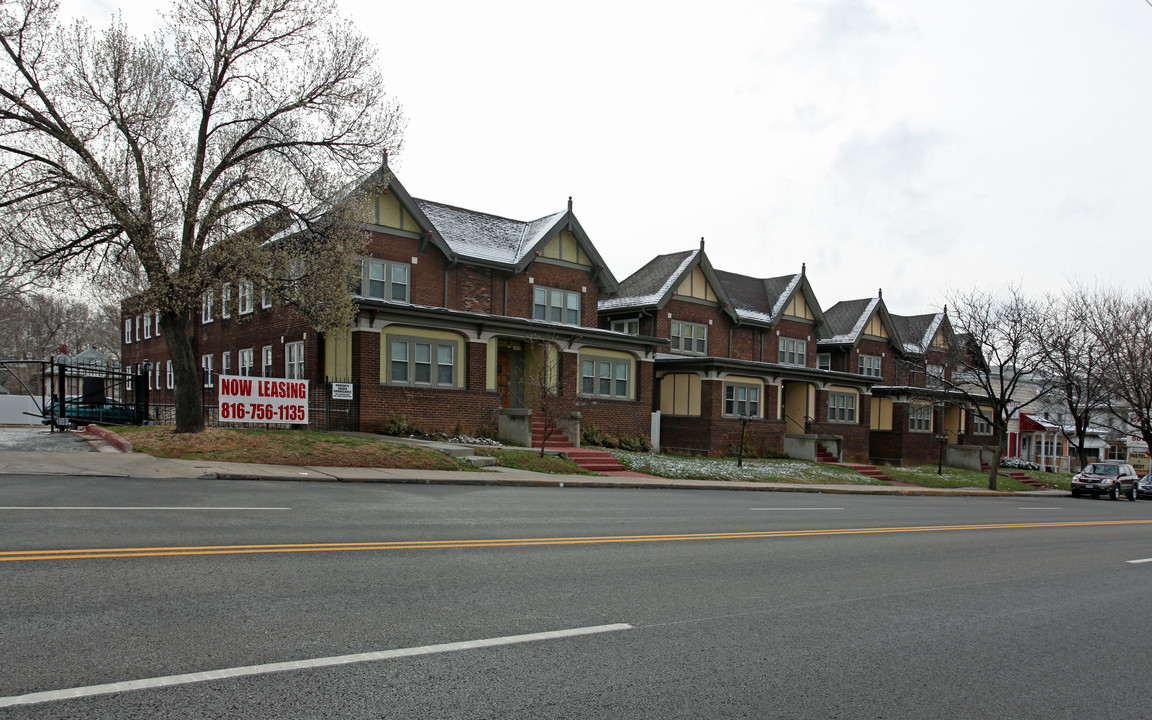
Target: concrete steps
(1015, 475)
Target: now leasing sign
(269, 400)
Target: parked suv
(1144, 487)
(1106, 477)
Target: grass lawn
(701, 468)
(531, 460)
(284, 447)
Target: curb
(109, 437)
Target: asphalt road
(783, 605)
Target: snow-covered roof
(847, 320)
(481, 236)
(650, 284)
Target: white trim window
(226, 362)
(628, 327)
(244, 361)
(387, 280)
(423, 362)
(920, 418)
(556, 305)
(206, 308)
(244, 297)
(206, 368)
(980, 426)
(147, 326)
(841, 407)
(265, 297)
(138, 336)
(869, 365)
(604, 377)
(156, 315)
(128, 331)
(934, 376)
(294, 360)
(793, 352)
(226, 300)
(266, 361)
(824, 361)
(741, 400)
(169, 376)
(691, 338)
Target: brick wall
(520, 290)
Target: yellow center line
(94, 553)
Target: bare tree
(545, 390)
(999, 353)
(217, 148)
(1121, 324)
(1073, 362)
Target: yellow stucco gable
(388, 212)
(696, 286)
(940, 341)
(564, 246)
(799, 308)
(876, 328)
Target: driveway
(41, 440)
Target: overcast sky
(899, 144)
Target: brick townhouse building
(461, 317)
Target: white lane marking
(1040, 508)
(784, 508)
(90, 690)
(137, 507)
(1137, 562)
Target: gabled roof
(762, 300)
(492, 240)
(653, 285)
(917, 331)
(848, 318)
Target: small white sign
(267, 400)
(341, 391)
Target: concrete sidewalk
(138, 465)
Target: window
(631, 327)
(841, 407)
(206, 308)
(741, 400)
(920, 418)
(206, 366)
(562, 306)
(147, 325)
(169, 379)
(935, 375)
(128, 331)
(294, 360)
(137, 327)
(265, 298)
(226, 363)
(157, 316)
(980, 426)
(431, 363)
(266, 355)
(244, 359)
(689, 337)
(387, 280)
(823, 361)
(226, 300)
(604, 377)
(793, 352)
(869, 365)
(157, 376)
(244, 297)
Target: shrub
(1018, 464)
(635, 443)
(401, 425)
(593, 435)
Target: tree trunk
(185, 373)
(1001, 443)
